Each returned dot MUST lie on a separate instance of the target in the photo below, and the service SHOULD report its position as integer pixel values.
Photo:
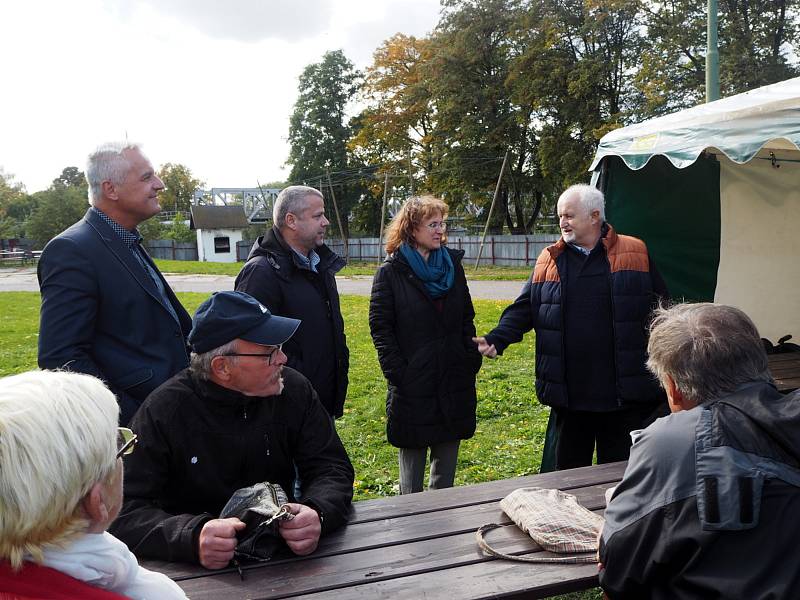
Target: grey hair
(200, 364)
(59, 438)
(590, 198)
(107, 163)
(707, 349)
(291, 200)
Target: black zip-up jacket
(199, 443)
(427, 356)
(278, 279)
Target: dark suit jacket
(102, 314)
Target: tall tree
(757, 39)
(180, 185)
(477, 118)
(319, 128)
(71, 177)
(15, 207)
(56, 209)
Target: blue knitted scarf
(437, 274)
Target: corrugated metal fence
(172, 250)
(510, 250)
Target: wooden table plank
(344, 571)
(785, 369)
(372, 535)
(431, 501)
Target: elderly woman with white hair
(60, 489)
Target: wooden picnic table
(416, 546)
(785, 369)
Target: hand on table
(217, 542)
(302, 532)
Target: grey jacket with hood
(709, 502)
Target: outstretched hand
(485, 348)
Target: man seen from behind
(707, 505)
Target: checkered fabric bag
(554, 520)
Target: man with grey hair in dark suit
(106, 309)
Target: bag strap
(586, 557)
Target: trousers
(444, 457)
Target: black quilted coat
(426, 355)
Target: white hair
(107, 163)
(590, 198)
(291, 200)
(58, 437)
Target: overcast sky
(206, 83)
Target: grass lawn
(511, 424)
(353, 269)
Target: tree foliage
(180, 185)
(14, 207)
(319, 130)
(544, 80)
(57, 208)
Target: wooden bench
(415, 546)
(785, 369)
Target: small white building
(218, 228)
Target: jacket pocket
(134, 378)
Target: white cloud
(204, 83)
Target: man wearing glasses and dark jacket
(234, 418)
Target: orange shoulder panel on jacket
(628, 254)
(545, 269)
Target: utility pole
(338, 216)
(491, 210)
(410, 173)
(383, 215)
(712, 54)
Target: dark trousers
(573, 435)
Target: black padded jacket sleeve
(515, 322)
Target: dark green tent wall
(676, 212)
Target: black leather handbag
(261, 507)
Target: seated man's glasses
(126, 441)
(267, 355)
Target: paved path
(23, 279)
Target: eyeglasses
(126, 441)
(434, 225)
(267, 355)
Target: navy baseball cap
(226, 316)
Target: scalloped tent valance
(738, 126)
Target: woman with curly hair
(421, 320)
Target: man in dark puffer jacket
(589, 299)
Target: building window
(222, 245)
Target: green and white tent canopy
(738, 126)
(714, 191)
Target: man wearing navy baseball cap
(237, 416)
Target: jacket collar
(274, 243)
(221, 398)
(607, 236)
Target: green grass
(353, 269)
(511, 424)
